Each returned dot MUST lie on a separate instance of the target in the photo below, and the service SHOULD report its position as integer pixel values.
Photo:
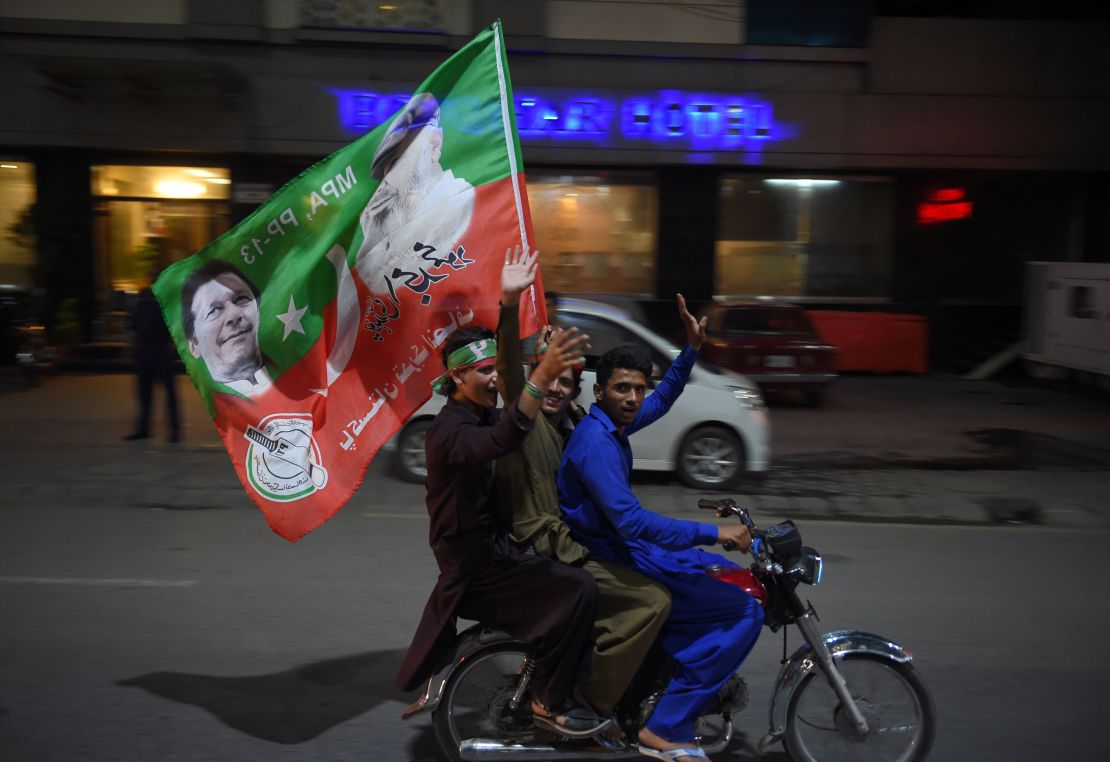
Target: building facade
(811, 151)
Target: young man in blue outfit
(712, 625)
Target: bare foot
(653, 741)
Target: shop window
(152, 216)
(595, 233)
(17, 240)
(127, 181)
(804, 237)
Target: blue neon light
(668, 118)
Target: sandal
(671, 755)
(612, 738)
(577, 721)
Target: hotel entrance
(150, 216)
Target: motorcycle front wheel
(892, 698)
(475, 703)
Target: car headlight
(749, 398)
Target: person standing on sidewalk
(154, 358)
(631, 608)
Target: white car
(717, 430)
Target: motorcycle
(845, 695)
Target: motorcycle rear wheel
(893, 699)
(475, 703)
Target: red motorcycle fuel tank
(742, 578)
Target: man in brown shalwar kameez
(482, 576)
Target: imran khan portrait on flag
(313, 328)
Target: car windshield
(756, 320)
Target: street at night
(455, 345)
(149, 612)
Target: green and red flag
(313, 329)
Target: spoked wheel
(893, 699)
(475, 703)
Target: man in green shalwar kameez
(631, 608)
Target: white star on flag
(292, 318)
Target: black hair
(209, 271)
(627, 356)
(458, 340)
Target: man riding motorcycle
(712, 625)
(482, 577)
(631, 608)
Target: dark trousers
(153, 365)
(545, 603)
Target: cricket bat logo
(288, 452)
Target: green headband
(472, 354)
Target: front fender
(840, 644)
(472, 640)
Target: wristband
(533, 391)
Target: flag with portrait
(314, 328)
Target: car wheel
(411, 463)
(711, 457)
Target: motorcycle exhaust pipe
(488, 748)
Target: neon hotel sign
(668, 118)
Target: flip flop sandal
(579, 722)
(670, 755)
(612, 741)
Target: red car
(774, 344)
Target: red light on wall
(944, 205)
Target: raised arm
(518, 274)
(670, 388)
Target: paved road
(133, 633)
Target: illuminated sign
(668, 118)
(944, 205)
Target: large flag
(314, 328)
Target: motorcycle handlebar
(728, 507)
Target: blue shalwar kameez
(713, 625)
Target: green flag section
(314, 328)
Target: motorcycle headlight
(808, 568)
(749, 398)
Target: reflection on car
(774, 343)
(716, 431)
